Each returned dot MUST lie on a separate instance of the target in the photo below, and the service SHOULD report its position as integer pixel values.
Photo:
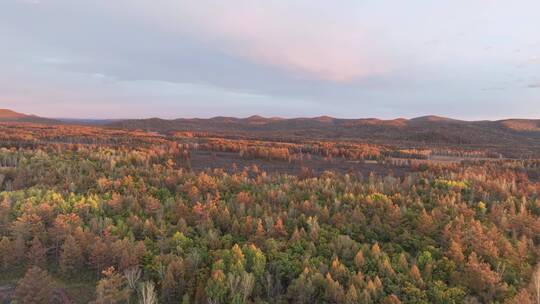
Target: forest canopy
(131, 221)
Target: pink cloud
(309, 44)
(337, 50)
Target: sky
(468, 59)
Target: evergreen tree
(71, 257)
(36, 254)
(112, 288)
(35, 287)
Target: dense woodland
(108, 216)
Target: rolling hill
(514, 134)
(518, 137)
(7, 115)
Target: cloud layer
(172, 58)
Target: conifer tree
(71, 257)
(111, 288)
(36, 254)
(36, 286)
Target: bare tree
(234, 283)
(536, 285)
(147, 293)
(248, 281)
(132, 276)
(241, 284)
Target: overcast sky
(469, 59)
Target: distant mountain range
(429, 130)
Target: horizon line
(406, 117)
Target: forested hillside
(129, 221)
(7, 115)
(512, 137)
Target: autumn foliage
(125, 216)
